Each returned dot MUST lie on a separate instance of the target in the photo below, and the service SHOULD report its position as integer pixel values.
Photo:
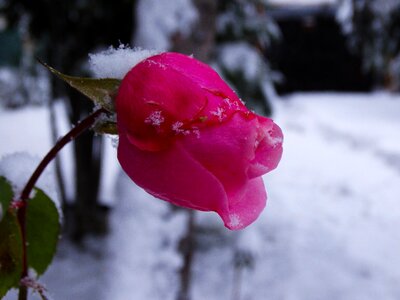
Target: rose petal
(172, 175)
(268, 151)
(225, 149)
(245, 206)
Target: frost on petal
(245, 205)
(268, 151)
(155, 118)
(177, 128)
(219, 113)
(234, 221)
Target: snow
(19, 156)
(159, 20)
(234, 221)
(155, 118)
(344, 15)
(116, 62)
(301, 2)
(241, 57)
(329, 231)
(18, 167)
(385, 7)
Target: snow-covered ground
(301, 2)
(330, 229)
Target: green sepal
(106, 127)
(101, 91)
(42, 231)
(10, 252)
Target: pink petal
(246, 205)
(172, 175)
(269, 149)
(225, 149)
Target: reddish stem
(71, 135)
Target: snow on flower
(116, 62)
(185, 137)
(155, 118)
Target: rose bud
(186, 137)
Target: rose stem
(71, 135)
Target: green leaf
(42, 231)
(10, 253)
(101, 91)
(6, 195)
(107, 127)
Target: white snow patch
(302, 2)
(159, 20)
(344, 15)
(17, 168)
(115, 63)
(329, 231)
(241, 57)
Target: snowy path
(330, 229)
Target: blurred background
(327, 71)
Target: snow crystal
(177, 128)
(115, 63)
(220, 113)
(159, 19)
(157, 64)
(155, 118)
(234, 221)
(196, 132)
(231, 104)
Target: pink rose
(186, 137)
